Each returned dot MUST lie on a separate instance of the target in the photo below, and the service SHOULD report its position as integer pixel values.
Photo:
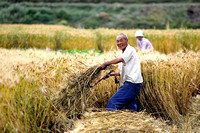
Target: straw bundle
(170, 84)
(75, 97)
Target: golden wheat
(169, 82)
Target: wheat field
(63, 37)
(35, 95)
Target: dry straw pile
(121, 122)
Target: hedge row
(147, 16)
(105, 1)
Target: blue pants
(126, 96)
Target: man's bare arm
(114, 61)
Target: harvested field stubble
(169, 83)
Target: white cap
(139, 33)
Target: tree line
(117, 15)
(106, 1)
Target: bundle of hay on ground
(74, 99)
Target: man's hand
(103, 66)
(106, 76)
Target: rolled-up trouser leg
(125, 96)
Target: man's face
(139, 38)
(122, 42)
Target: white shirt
(130, 69)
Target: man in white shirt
(131, 78)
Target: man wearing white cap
(143, 43)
